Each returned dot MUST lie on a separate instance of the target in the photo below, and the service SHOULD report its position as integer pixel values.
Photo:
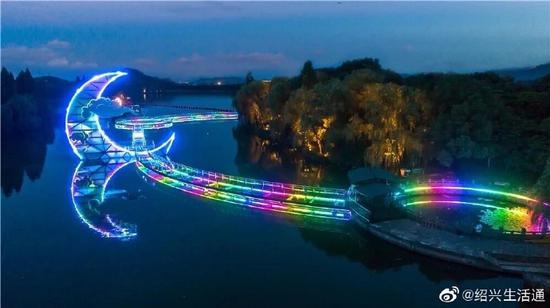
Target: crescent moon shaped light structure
(88, 186)
(83, 128)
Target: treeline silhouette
(29, 108)
(361, 114)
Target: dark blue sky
(188, 40)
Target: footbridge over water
(290, 198)
(271, 196)
(287, 198)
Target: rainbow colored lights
(88, 188)
(412, 203)
(277, 197)
(463, 190)
(515, 219)
(263, 189)
(499, 210)
(166, 121)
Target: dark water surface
(194, 252)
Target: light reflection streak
(88, 186)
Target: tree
(249, 78)
(359, 113)
(280, 92)
(251, 103)
(307, 76)
(24, 82)
(8, 85)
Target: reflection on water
(24, 152)
(358, 246)
(258, 158)
(88, 192)
(188, 245)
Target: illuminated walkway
(508, 212)
(187, 107)
(101, 157)
(271, 196)
(166, 121)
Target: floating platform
(476, 226)
(517, 257)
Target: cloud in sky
(59, 44)
(234, 63)
(55, 53)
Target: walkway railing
(280, 197)
(187, 107)
(166, 121)
(330, 197)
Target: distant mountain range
(525, 73)
(136, 84)
(139, 85)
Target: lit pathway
(166, 121)
(272, 196)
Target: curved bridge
(271, 196)
(101, 157)
(188, 107)
(509, 212)
(166, 121)
(455, 190)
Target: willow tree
(387, 115)
(251, 103)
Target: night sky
(188, 40)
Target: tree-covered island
(359, 114)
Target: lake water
(195, 252)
